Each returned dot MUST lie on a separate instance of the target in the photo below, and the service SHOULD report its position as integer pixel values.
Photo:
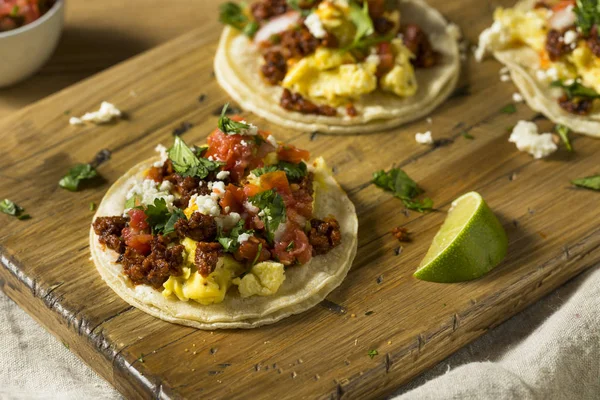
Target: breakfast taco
(239, 233)
(552, 50)
(337, 66)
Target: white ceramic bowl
(25, 50)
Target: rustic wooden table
(100, 34)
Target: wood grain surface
(322, 353)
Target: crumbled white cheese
(147, 191)
(504, 71)
(165, 186)
(218, 188)
(454, 31)
(244, 143)
(570, 37)
(105, 114)
(525, 135)
(373, 59)
(207, 204)
(424, 138)
(517, 98)
(222, 175)
(505, 78)
(552, 74)
(227, 222)
(315, 26)
(251, 207)
(164, 155)
(429, 120)
(569, 82)
(244, 237)
(494, 37)
(272, 140)
(252, 130)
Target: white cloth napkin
(549, 351)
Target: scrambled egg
(586, 65)
(401, 79)
(264, 279)
(523, 27)
(192, 285)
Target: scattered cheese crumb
(505, 78)
(525, 135)
(315, 26)
(162, 151)
(491, 38)
(504, 71)
(424, 138)
(454, 31)
(517, 98)
(222, 175)
(243, 237)
(570, 37)
(272, 140)
(429, 120)
(106, 113)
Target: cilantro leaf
(588, 14)
(563, 132)
(576, 89)
(402, 187)
(9, 207)
(291, 246)
(509, 109)
(160, 219)
(273, 210)
(132, 202)
(258, 253)
(590, 182)
(467, 135)
(229, 126)
(373, 353)
(362, 20)
(77, 174)
(14, 13)
(92, 206)
(186, 163)
(230, 241)
(294, 172)
(233, 14)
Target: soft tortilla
(237, 68)
(540, 96)
(304, 286)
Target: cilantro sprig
(229, 126)
(294, 172)
(576, 89)
(589, 182)
(402, 187)
(187, 163)
(587, 13)
(273, 209)
(229, 241)
(362, 20)
(160, 219)
(563, 132)
(11, 208)
(233, 14)
(76, 175)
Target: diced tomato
(137, 219)
(234, 199)
(300, 251)
(292, 154)
(275, 180)
(563, 4)
(229, 149)
(251, 190)
(140, 242)
(386, 58)
(248, 251)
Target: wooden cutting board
(322, 353)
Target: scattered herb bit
(588, 14)
(509, 129)
(160, 219)
(444, 304)
(14, 13)
(369, 313)
(576, 89)
(232, 14)
(66, 345)
(509, 109)
(313, 136)
(467, 135)
(92, 206)
(213, 350)
(101, 157)
(229, 126)
(183, 128)
(258, 253)
(590, 182)
(290, 246)
(67, 112)
(201, 98)
(272, 206)
(563, 132)
(9, 207)
(398, 250)
(362, 20)
(402, 187)
(373, 353)
(186, 163)
(141, 358)
(294, 172)
(379, 279)
(77, 174)
(295, 4)
(230, 241)
(132, 202)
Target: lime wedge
(470, 243)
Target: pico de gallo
(241, 201)
(16, 13)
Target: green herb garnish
(233, 14)
(362, 20)
(258, 252)
(402, 187)
(14, 13)
(230, 241)
(467, 135)
(509, 109)
(186, 163)
(141, 358)
(77, 174)
(588, 14)
(294, 172)
(590, 182)
(563, 132)
(291, 245)
(92, 206)
(295, 5)
(373, 353)
(9, 207)
(160, 219)
(229, 126)
(272, 210)
(576, 89)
